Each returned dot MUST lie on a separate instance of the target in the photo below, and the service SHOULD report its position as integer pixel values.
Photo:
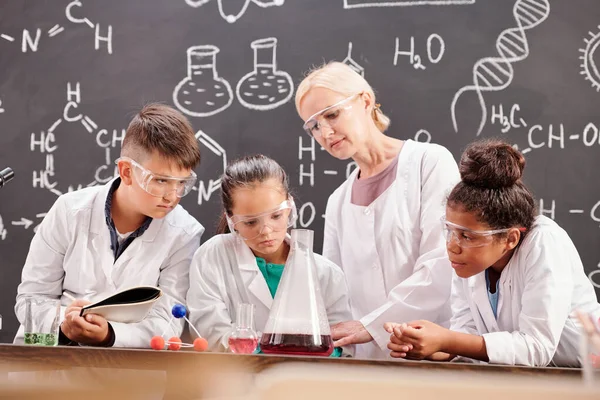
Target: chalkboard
(73, 72)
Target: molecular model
(174, 343)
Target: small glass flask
(243, 338)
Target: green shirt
(272, 274)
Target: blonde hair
(342, 79)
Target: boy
(129, 232)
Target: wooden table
(188, 372)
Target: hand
(425, 337)
(440, 356)
(91, 330)
(589, 329)
(349, 332)
(76, 306)
(398, 347)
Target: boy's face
(152, 205)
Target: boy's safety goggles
(160, 185)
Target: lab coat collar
(246, 258)
(98, 219)
(247, 264)
(479, 289)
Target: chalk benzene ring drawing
(213, 185)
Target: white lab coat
(393, 252)
(540, 288)
(224, 274)
(71, 253)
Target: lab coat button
(367, 211)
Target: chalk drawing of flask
(232, 10)
(202, 92)
(265, 88)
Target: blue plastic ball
(178, 311)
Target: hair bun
(491, 164)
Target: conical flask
(298, 323)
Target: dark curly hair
(491, 186)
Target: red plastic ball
(157, 343)
(174, 343)
(200, 344)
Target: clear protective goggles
(327, 117)
(161, 185)
(279, 219)
(468, 238)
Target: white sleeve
(331, 244)
(439, 175)
(462, 317)
(43, 272)
(546, 304)
(425, 294)
(209, 313)
(174, 282)
(335, 294)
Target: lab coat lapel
(101, 236)
(482, 302)
(140, 246)
(250, 273)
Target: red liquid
(243, 346)
(300, 345)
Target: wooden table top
(187, 374)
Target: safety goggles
(249, 227)
(161, 185)
(468, 238)
(327, 117)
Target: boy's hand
(91, 330)
(76, 306)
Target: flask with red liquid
(243, 338)
(298, 323)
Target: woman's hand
(349, 332)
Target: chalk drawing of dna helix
(492, 74)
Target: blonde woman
(382, 225)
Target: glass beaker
(202, 92)
(244, 339)
(589, 349)
(265, 88)
(41, 321)
(298, 323)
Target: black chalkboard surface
(73, 72)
